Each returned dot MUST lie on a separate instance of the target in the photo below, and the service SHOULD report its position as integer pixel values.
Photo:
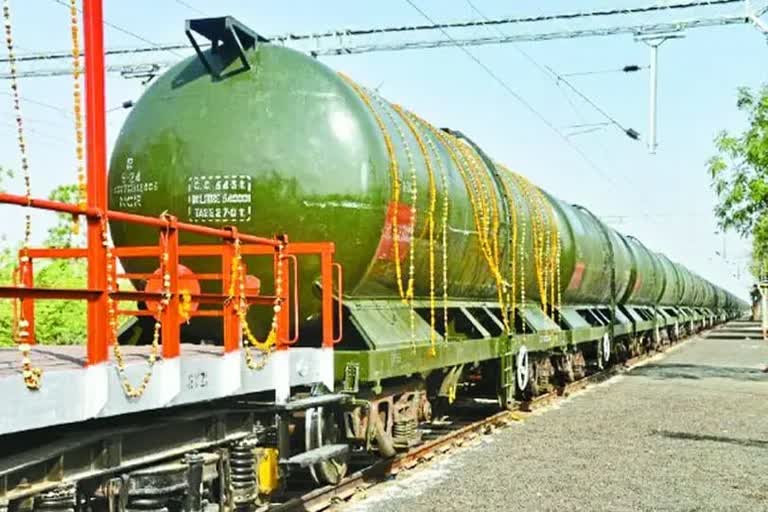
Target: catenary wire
(558, 80)
(54, 55)
(551, 72)
(60, 110)
(125, 31)
(517, 96)
(190, 7)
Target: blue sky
(663, 199)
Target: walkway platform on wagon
(686, 430)
(72, 392)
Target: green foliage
(739, 175)
(62, 234)
(60, 321)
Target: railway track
(364, 479)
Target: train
(462, 279)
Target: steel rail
(366, 478)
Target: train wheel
(569, 374)
(579, 365)
(604, 351)
(321, 428)
(522, 369)
(384, 441)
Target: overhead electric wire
(585, 131)
(125, 31)
(190, 7)
(548, 71)
(517, 20)
(58, 109)
(628, 131)
(517, 96)
(559, 78)
(625, 69)
(54, 55)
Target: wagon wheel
(321, 428)
(604, 351)
(522, 371)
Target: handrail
(339, 301)
(159, 222)
(221, 248)
(295, 288)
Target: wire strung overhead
(631, 68)
(337, 48)
(559, 78)
(190, 7)
(124, 31)
(517, 96)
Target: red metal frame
(96, 157)
(96, 214)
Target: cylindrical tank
(672, 289)
(686, 280)
(722, 298)
(290, 146)
(592, 256)
(649, 277)
(699, 291)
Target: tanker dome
(291, 146)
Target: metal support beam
(754, 14)
(346, 42)
(654, 41)
(653, 98)
(96, 151)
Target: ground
(687, 431)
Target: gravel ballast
(686, 431)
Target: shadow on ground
(687, 436)
(698, 371)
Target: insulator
(242, 472)
(632, 134)
(61, 499)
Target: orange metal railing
(100, 269)
(169, 229)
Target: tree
(56, 321)
(740, 177)
(63, 234)
(7, 265)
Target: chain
(517, 259)
(406, 294)
(241, 307)
(484, 199)
(32, 376)
(536, 235)
(445, 211)
(82, 192)
(512, 207)
(477, 192)
(414, 195)
(484, 180)
(546, 245)
(129, 389)
(394, 171)
(430, 223)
